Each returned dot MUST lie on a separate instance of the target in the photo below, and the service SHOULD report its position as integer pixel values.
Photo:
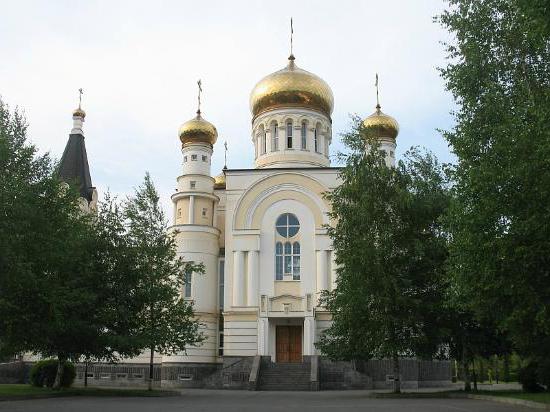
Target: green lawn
(16, 391)
(543, 397)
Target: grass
(542, 397)
(22, 391)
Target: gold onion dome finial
(78, 112)
(291, 87)
(198, 130)
(219, 181)
(381, 125)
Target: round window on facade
(287, 225)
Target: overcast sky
(138, 63)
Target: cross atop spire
(80, 93)
(199, 83)
(225, 161)
(291, 57)
(377, 98)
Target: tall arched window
(289, 134)
(264, 142)
(287, 248)
(304, 135)
(315, 140)
(274, 137)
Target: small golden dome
(381, 125)
(219, 181)
(78, 112)
(291, 86)
(198, 130)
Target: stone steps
(285, 377)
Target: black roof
(73, 167)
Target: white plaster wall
(196, 166)
(240, 338)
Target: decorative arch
(296, 186)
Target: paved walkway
(244, 401)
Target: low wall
(14, 372)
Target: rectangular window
(179, 212)
(184, 159)
(315, 141)
(192, 184)
(221, 283)
(188, 276)
(194, 158)
(289, 135)
(296, 267)
(264, 143)
(275, 139)
(220, 348)
(204, 158)
(304, 136)
(204, 210)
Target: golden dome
(198, 130)
(219, 181)
(78, 112)
(381, 125)
(291, 86)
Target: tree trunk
(150, 385)
(396, 374)
(506, 368)
(474, 374)
(466, 371)
(85, 373)
(59, 374)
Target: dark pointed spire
(73, 167)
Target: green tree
(167, 324)
(390, 254)
(66, 278)
(46, 286)
(499, 73)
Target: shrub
(528, 378)
(543, 373)
(43, 373)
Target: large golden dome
(381, 125)
(291, 86)
(198, 130)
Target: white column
(238, 278)
(191, 210)
(322, 278)
(253, 277)
(263, 336)
(214, 214)
(309, 335)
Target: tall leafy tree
(46, 282)
(167, 324)
(390, 254)
(499, 73)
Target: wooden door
(288, 343)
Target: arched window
(289, 134)
(275, 137)
(304, 135)
(315, 140)
(287, 248)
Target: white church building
(261, 235)
(261, 232)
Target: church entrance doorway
(288, 341)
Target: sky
(138, 63)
